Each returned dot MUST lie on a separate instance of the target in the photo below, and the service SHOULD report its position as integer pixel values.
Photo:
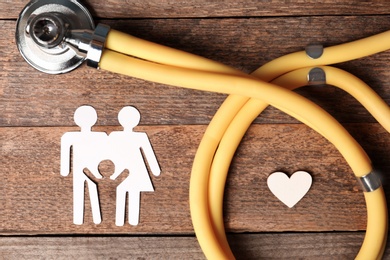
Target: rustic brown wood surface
(37, 109)
(249, 246)
(203, 8)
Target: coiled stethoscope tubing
(335, 54)
(209, 154)
(233, 135)
(72, 43)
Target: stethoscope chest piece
(41, 33)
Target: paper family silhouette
(123, 148)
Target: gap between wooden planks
(37, 200)
(204, 8)
(249, 246)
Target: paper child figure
(88, 151)
(126, 147)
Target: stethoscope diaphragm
(41, 29)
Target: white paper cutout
(87, 147)
(126, 149)
(123, 148)
(289, 190)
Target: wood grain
(36, 109)
(249, 246)
(206, 8)
(37, 200)
(47, 100)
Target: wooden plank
(249, 246)
(205, 8)
(31, 98)
(37, 200)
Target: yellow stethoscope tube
(253, 108)
(120, 42)
(374, 104)
(203, 226)
(278, 97)
(331, 55)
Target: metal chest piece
(42, 31)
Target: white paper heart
(289, 190)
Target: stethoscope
(57, 36)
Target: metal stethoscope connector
(57, 36)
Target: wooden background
(37, 109)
